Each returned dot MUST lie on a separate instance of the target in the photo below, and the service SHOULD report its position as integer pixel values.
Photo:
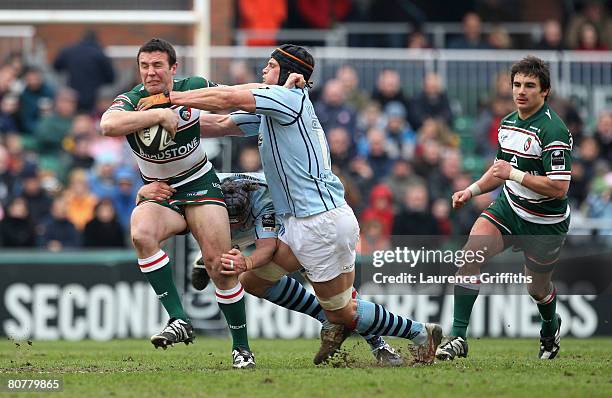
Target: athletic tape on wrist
(517, 175)
(474, 189)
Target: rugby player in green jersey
(533, 164)
(179, 159)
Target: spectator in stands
(587, 155)
(441, 180)
(401, 139)
(8, 80)
(372, 237)
(101, 178)
(352, 192)
(599, 203)
(370, 117)
(463, 220)
(332, 110)
(432, 101)
(380, 208)
(437, 130)
(355, 97)
(472, 35)
(415, 217)
(552, 37)
(593, 12)
(37, 199)
(104, 230)
(340, 147)
(603, 135)
(590, 38)
(362, 175)
(17, 228)
(241, 73)
(36, 98)
(417, 40)
(440, 209)
(57, 232)
(322, 14)
(402, 176)
(78, 157)
(51, 130)
(124, 196)
(80, 202)
(389, 88)
(249, 160)
(378, 157)
(88, 69)
(427, 158)
(499, 39)
(9, 119)
(7, 179)
(262, 15)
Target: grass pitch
(133, 368)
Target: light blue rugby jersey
(294, 151)
(261, 222)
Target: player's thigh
(486, 238)
(255, 285)
(209, 225)
(153, 222)
(285, 258)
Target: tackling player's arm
(212, 125)
(157, 190)
(234, 262)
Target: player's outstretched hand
(295, 80)
(157, 190)
(169, 121)
(152, 100)
(233, 263)
(460, 198)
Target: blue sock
(289, 293)
(374, 319)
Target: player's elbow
(107, 127)
(560, 189)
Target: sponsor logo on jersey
(268, 222)
(514, 161)
(259, 139)
(527, 144)
(503, 137)
(171, 153)
(557, 160)
(197, 193)
(166, 142)
(185, 113)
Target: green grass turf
(133, 368)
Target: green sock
(548, 310)
(464, 302)
(231, 303)
(162, 282)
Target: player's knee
(537, 291)
(143, 241)
(340, 308)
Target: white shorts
(324, 243)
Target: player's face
(155, 71)
(527, 93)
(271, 72)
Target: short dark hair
(161, 45)
(532, 66)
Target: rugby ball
(154, 139)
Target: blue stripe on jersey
(278, 102)
(285, 184)
(304, 133)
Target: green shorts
(205, 190)
(541, 243)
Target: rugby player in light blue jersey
(320, 231)
(254, 226)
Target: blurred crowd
(583, 25)
(63, 185)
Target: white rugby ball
(154, 139)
